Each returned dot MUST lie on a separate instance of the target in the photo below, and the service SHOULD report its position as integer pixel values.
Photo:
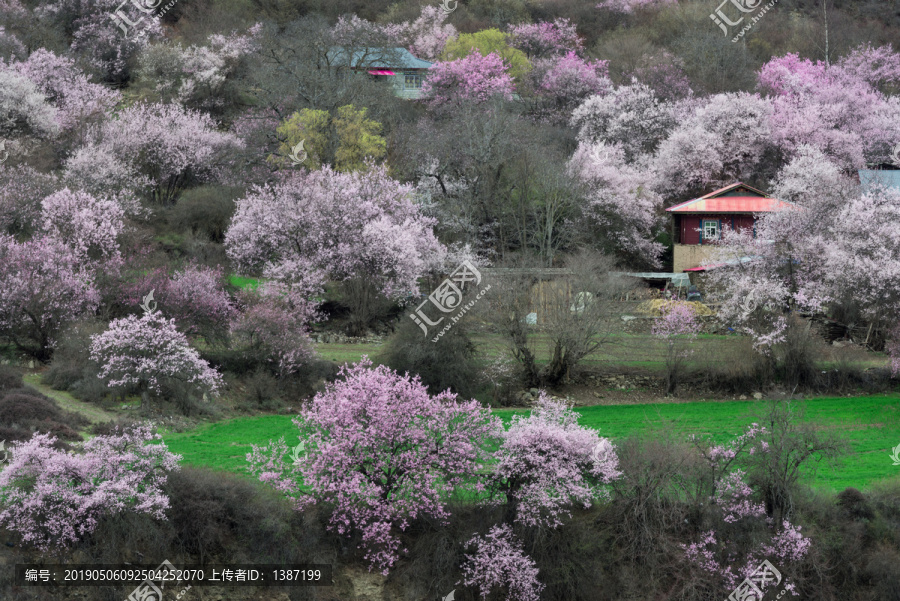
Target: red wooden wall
(688, 226)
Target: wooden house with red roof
(697, 224)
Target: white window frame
(715, 225)
(412, 80)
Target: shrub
(107, 428)
(18, 434)
(796, 355)
(449, 363)
(11, 433)
(29, 408)
(262, 389)
(739, 368)
(72, 369)
(10, 377)
(792, 447)
(233, 519)
(855, 504)
(273, 327)
(206, 210)
(645, 513)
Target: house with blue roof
(882, 175)
(396, 66)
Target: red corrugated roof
(731, 204)
(714, 202)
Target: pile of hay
(654, 308)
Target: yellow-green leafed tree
(309, 126)
(358, 139)
(485, 42)
(346, 140)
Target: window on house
(412, 81)
(710, 229)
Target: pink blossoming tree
(629, 6)
(677, 328)
(501, 564)
(631, 116)
(760, 281)
(735, 513)
(22, 189)
(44, 288)
(621, 203)
(147, 353)
(96, 36)
(193, 296)
(24, 111)
(545, 39)
(89, 226)
(78, 101)
(429, 33)
(561, 83)
(98, 171)
(861, 250)
(425, 37)
(723, 140)
(198, 77)
(473, 78)
(548, 462)
(837, 108)
(381, 452)
(168, 144)
(664, 73)
(54, 499)
(359, 228)
(273, 326)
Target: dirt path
(68, 402)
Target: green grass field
(242, 282)
(871, 424)
(623, 350)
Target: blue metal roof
(377, 58)
(869, 178)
